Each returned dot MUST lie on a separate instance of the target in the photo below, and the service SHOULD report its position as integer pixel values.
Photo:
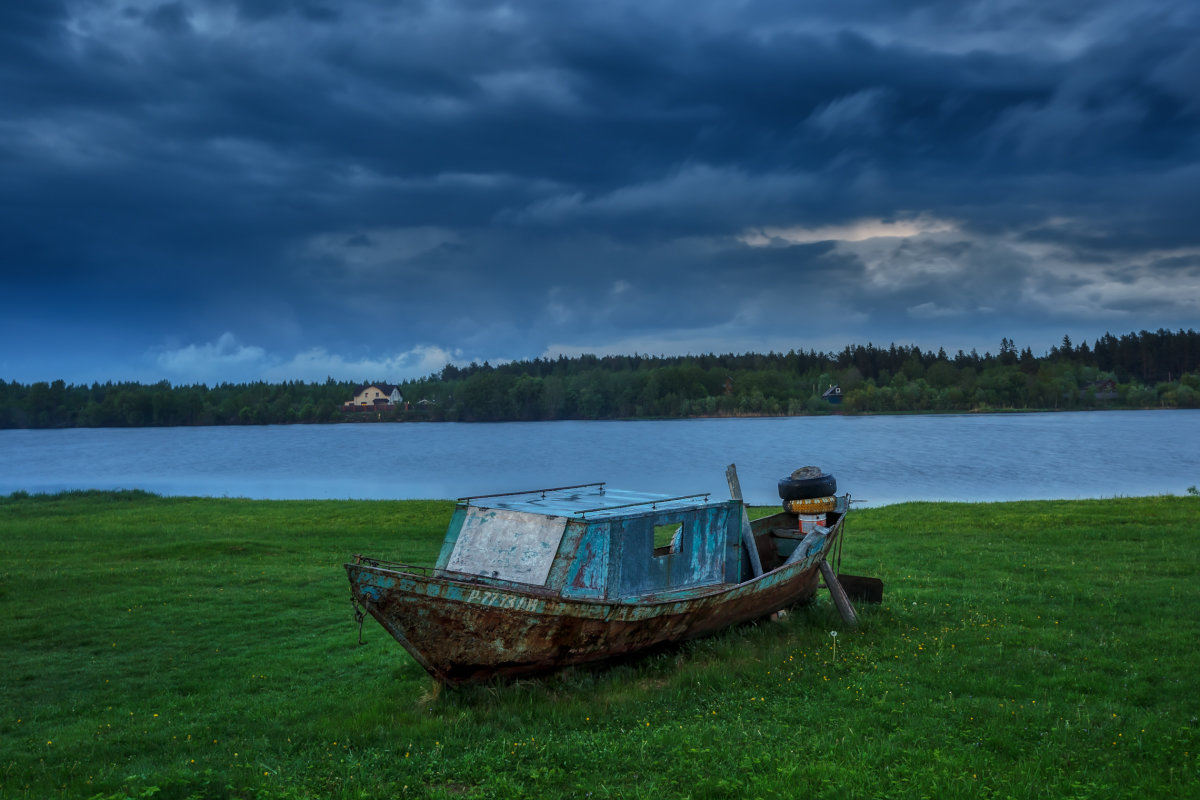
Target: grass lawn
(205, 648)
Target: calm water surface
(879, 460)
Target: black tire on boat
(808, 487)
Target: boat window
(667, 538)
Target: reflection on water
(880, 459)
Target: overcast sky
(212, 190)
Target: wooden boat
(532, 582)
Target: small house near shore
(833, 394)
(375, 396)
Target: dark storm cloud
(491, 180)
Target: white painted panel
(505, 544)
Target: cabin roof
(386, 388)
(592, 501)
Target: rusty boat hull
(465, 628)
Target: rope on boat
(359, 616)
(837, 557)
(841, 537)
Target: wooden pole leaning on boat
(840, 599)
(735, 491)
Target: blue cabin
(593, 543)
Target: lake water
(878, 459)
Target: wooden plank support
(839, 594)
(735, 491)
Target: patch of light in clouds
(318, 364)
(203, 362)
(226, 359)
(857, 231)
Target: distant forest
(1158, 369)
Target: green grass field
(205, 648)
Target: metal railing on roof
(652, 503)
(542, 492)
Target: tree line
(1136, 370)
(134, 405)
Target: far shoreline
(364, 418)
